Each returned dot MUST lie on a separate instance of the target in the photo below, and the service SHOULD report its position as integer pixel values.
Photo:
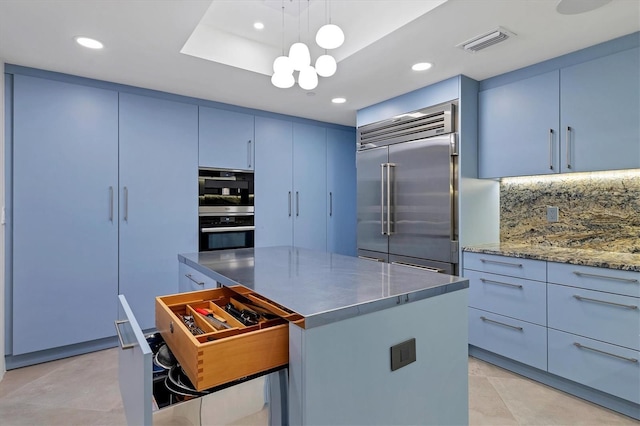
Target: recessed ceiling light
(89, 42)
(421, 66)
(258, 25)
(338, 100)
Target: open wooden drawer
(221, 355)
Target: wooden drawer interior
(212, 355)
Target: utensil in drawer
(216, 323)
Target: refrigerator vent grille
(420, 124)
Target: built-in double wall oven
(225, 209)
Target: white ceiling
(143, 42)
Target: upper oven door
(225, 191)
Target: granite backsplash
(599, 211)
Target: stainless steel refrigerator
(407, 190)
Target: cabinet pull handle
(297, 203)
(568, 147)
(193, 279)
(550, 149)
(249, 153)
(111, 204)
(289, 203)
(588, 299)
(330, 204)
(375, 259)
(390, 229)
(412, 265)
(578, 345)
(122, 344)
(497, 262)
(501, 323)
(485, 281)
(126, 204)
(606, 277)
(382, 166)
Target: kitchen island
(354, 311)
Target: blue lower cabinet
(511, 338)
(191, 280)
(608, 368)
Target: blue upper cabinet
(341, 188)
(226, 139)
(159, 193)
(600, 113)
(518, 128)
(578, 118)
(310, 186)
(274, 182)
(65, 210)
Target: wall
(598, 211)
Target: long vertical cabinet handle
(568, 143)
(390, 229)
(382, 190)
(297, 203)
(289, 203)
(249, 153)
(550, 149)
(330, 203)
(111, 204)
(126, 204)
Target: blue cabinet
(226, 139)
(518, 128)
(274, 182)
(578, 118)
(341, 186)
(158, 214)
(600, 113)
(65, 210)
(310, 186)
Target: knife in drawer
(216, 323)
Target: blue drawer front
(191, 280)
(518, 340)
(609, 280)
(509, 266)
(603, 316)
(514, 297)
(614, 372)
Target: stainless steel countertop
(322, 287)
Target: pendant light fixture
(329, 36)
(282, 66)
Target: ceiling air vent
(485, 40)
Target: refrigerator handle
(390, 228)
(382, 190)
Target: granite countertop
(587, 257)
(322, 287)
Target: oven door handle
(227, 229)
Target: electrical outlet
(552, 214)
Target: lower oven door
(226, 232)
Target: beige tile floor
(83, 390)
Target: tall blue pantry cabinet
(65, 210)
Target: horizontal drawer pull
(606, 277)
(484, 280)
(501, 323)
(375, 259)
(193, 279)
(588, 299)
(497, 262)
(578, 345)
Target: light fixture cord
(283, 28)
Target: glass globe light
(282, 80)
(308, 79)
(329, 36)
(282, 65)
(326, 66)
(299, 55)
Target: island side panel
(340, 373)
